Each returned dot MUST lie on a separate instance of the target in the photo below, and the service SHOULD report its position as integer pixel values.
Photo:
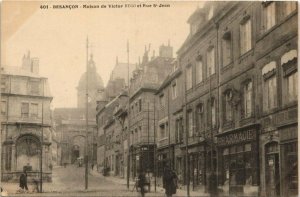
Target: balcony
(27, 120)
(162, 142)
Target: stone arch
(77, 147)
(28, 149)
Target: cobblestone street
(69, 181)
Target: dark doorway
(75, 153)
(272, 170)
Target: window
(228, 106)
(199, 71)
(178, 129)
(136, 107)
(34, 87)
(3, 107)
(15, 86)
(213, 113)
(140, 105)
(245, 35)
(210, 13)
(289, 7)
(34, 110)
(226, 48)
(189, 80)
(25, 110)
(162, 132)
(289, 66)
(162, 100)
(247, 99)
(211, 61)
(269, 86)
(194, 28)
(175, 66)
(140, 133)
(174, 90)
(3, 84)
(200, 114)
(8, 151)
(292, 87)
(136, 135)
(190, 123)
(269, 15)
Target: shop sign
(235, 138)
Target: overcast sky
(58, 38)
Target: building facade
(26, 122)
(226, 107)
(169, 124)
(77, 135)
(241, 86)
(143, 86)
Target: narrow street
(70, 181)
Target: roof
(18, 71)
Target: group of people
(169, 182)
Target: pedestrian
(23, 181)
(169, 181)
(141, 183)
(213, 188)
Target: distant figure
(36, 186)
(23, 181)
(169, 181)
(212, 185)
(141, 183)
(50, 166)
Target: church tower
(95, 87)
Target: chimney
(34, 65)
(26, 63)
(153, 55)
(166, 51)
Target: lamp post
(86, 118)
(128, 127)
(212, 177)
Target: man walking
(169, 181)
(141, 183)
(23, 181)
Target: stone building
(112, 123)
(169, 124)
(145, 82)
(118, 79)
(25, 121)
(70, 123)
(276, 57)
(240, 67)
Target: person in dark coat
(141, 183)
(169, 181)
(213, 188)
(23, 181)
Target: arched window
(269, 86)
(289, 66)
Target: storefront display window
(237, 165)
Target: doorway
(272, 175)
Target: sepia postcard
(149, 98)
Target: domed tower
(95, 87)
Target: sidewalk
(179, 192)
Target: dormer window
(210, 13)
(194, 28)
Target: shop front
(289, 160)
(142, 159)
(198, 158)
(238, 161)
